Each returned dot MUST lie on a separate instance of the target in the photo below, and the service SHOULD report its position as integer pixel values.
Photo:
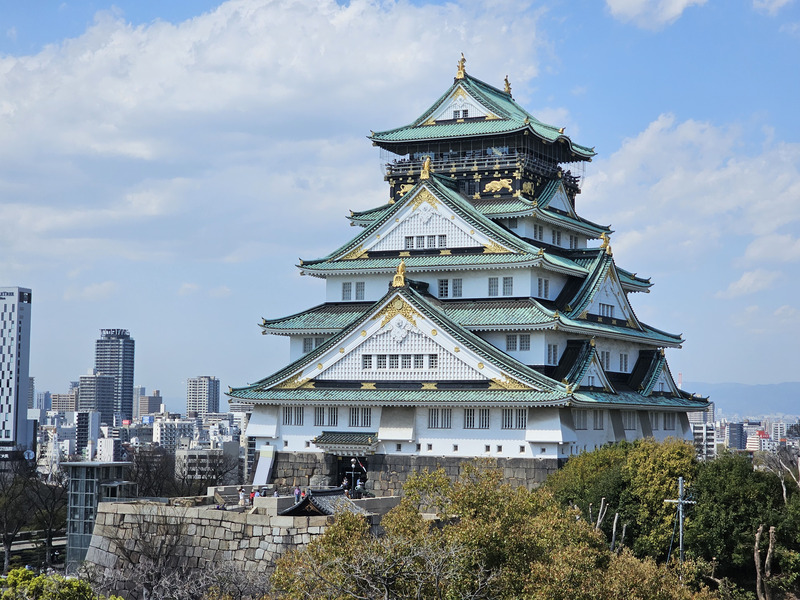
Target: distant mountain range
(739, 399)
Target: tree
(49, 500)
(153, 470)
(22, 583)
(15, 509)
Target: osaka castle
(475, 314)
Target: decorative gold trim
(507, 383)
(398, 306)
(498, 185)
(492, 117)
(399, 279)
(444, 252)
(367, 385)
(434, 332)
(426, 168)
(430, 121)
(354, 254)
(341, 350)
(405, 254)
(461, 71)
(424, 196)
(507, 86)
(493, 247)
(480, 365)
(561, 131)
(319, 366)
(363, 333)
(429, 385)
(456, 349)
(293, 382)
(459, 93)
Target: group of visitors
(247, 500)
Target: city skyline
(177, 213)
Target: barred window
(347, 290)
(405, 361)
(308, 345)
(538, 232)
(598, 419)
(447, 418)
(483, 418)
(433, 418)
(299, 413)
(431, 241)
(522, 418)
(409, 242)
(669, 421)
(354, 414)
(381, 361)
(394, 361)
(287, 415)
(333, 416)
(605, 359)
(366, 417)
(544, 288)
(573, 242)
(319, 416)
(444, 286)
(507, 420)
(606, 310)
(359, 290)
(623, 362)
(420, 241)
(433, 361)
(556, 237)
(579, 416)
(366, 361)
(654, 420)
(419, 361)
(493, 286)
(525, 341)
(443, 241)
(628, 419)
(552, 354)
(469, 418)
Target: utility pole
(681, 501)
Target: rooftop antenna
(681, 501)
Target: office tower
(114, 356)
(138, 392)
(15, 337)
(202, 395)
(96, 392)
(149, 405)
(31, 392)
(43, 400)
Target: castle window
(511, 343)
(623, 362)
(552, 354)
(308, 345)
(457, 288)
(483, 418)
(439, 418)
(628, 419)
(419, 361)
(354, 414)
(394, 361)
(409, 242)
(405, 361)
(469, 418)
(654, 420)
(522, 418)
(606, 310)
(590, 380)
(579, 416)
(464, 113)
(598, 419)
(442, 241)
(431, 241)
(347, 290)
(524, 342)
(669, 421)
(319, 416)
(556, 237)
(359, 290)
(381, 361)
(420, 241)
(605, 359)
(366, 361)
(507, 419)
(513, 223)
(573, 242)
(433, 361)
(544, 288)
(333, 416)
(444, 285)
(398, 447)
(508, 286)
(299, 412)
(493, 286)
(366, 417)
(456, 114)
(538, 232)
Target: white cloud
(773, 247)
(187, 289)
(93, 292)
(771, 7)
(750, 282)
(650, 14)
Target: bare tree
(50, 502)
(15, 509)
(153, 470)
(763, 578)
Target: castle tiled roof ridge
(508, 117)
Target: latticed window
(287, 415)
(380, 361)
(628, 419)
(433, 418)
(333, 416)
(512, 223)
(319, 416)
(447, 418)
(431, 241)
(493, 286)
(308, 345)
(579, 416)
(366, 417)
(347, 290)
(552, 354)
(469, 418)
(443, 241)
(508, 286)
(605, 359)
(359, 290)
(538, 232)
(511, 343)
(366, 361)
(522, 418)
(457, 287)
(556, 237)
(444, 288)
(573, 242)
(483, 418)
(433, 361)
(419, 361)
(654, 419)
(394, 361)
(299, 413)
(507, 421)
(409, 242)
(405, 361)
(354, 414)
(623, 362)
(525, 341)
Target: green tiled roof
(501, 313)
(404, 397)
(366, 217)
(512, 117)
(636, 400)
(422, 261)
(330, 318)
(497, 207)
(350, 438)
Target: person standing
(296, 494)
(242, 497)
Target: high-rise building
(96, 392)
(149, 405)
(15, 336)
(138, 392)
(475, 314)
(114, 353)
(32, 392)
(202, 395)
(44, 400)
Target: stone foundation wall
(388, 473)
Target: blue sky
(164, 165)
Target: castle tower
(476, 314)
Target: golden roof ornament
(426, 168)
(604, 237)
(507, 88)
(592, 342)
(461, 72)
(399, 279)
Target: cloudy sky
(164, 165)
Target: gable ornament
(399, 279)
(461, 71)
